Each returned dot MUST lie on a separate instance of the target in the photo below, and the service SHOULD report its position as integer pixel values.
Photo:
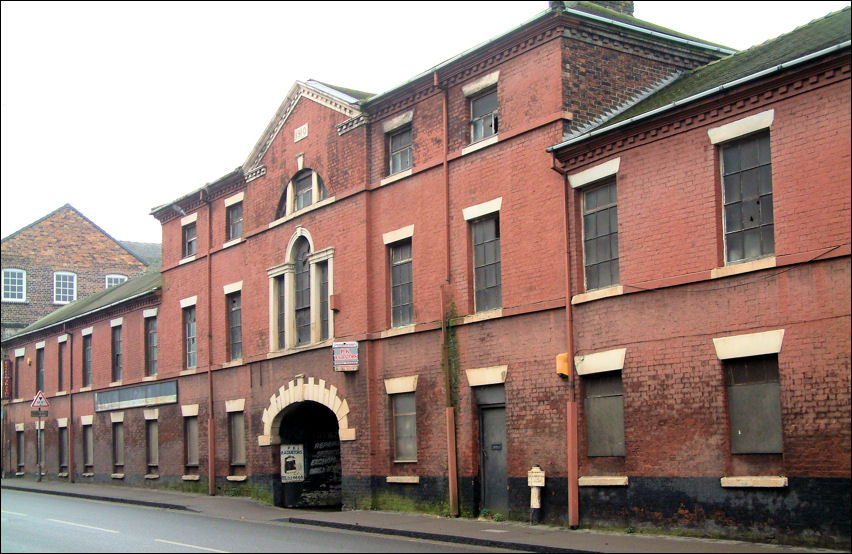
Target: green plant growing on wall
(451, 355)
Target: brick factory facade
(526, 248)
(57, 259)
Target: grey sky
(119, 107)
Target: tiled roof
(150, 252)
(138, 286)
(831, 30)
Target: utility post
(39, 402)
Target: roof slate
(817, 35)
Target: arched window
(304, 189)
(299, 289)
(301, 251)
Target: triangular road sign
(40, 401)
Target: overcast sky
(116, 108)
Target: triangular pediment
(320, 93)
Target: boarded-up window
(63, 449)
(22, 457)
(754, 404)
(604, 414)
(486, 263)
(190, 432)
(404, 427)
(152, 435)
(236, 426)
(118, 446)
(88, 447)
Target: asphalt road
(45, 523)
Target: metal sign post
(39, 402)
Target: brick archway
(300, 390)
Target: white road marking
(12, 513)
(81, 525)
(190, 545)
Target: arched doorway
(310, 456)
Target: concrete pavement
(506, 535)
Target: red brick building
(552, 196)
(57, 259)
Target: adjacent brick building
(57, 259)
(525, 254)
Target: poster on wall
(292, 463)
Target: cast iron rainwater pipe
(452, 462)
(211, 451)
(565, 366)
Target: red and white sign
(40, 401)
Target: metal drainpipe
(452, 461)
(211, 450)
(71, 466)
(571, 407)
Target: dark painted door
(495, 494)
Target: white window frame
(74, 292)
(288, 271)
(9, 271)
(115, 276)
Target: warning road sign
(40, 401)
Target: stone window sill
(152, 476)
(238, 478)
(754, 481)
(232, 242)
(306, 209)
(404, 330)
(736, 268)
(117, 476)
(493, 139)
(395, 177)
(190, 477)
(407, 479)
(603, 481)
(186, 260)
(482, 316)
(607, 292)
